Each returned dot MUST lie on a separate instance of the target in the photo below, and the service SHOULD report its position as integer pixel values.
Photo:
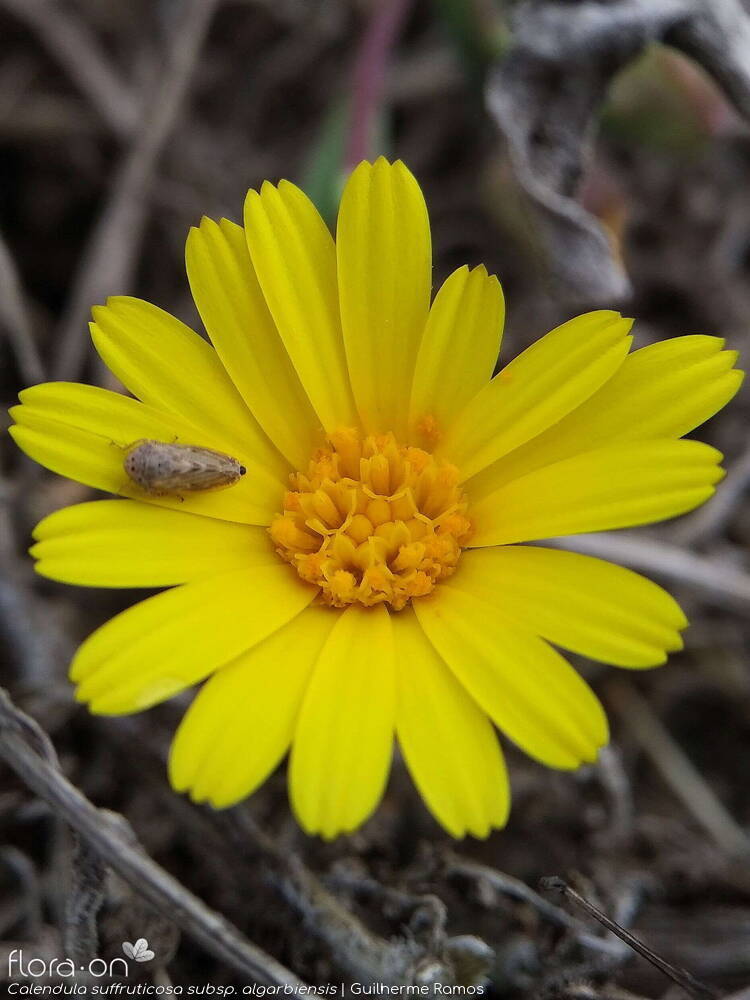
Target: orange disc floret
(372, 521)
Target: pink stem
(369, 75)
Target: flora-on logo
(64, 968)
(139, 952)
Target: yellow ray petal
(236, 317)
(241, 722)
(537, 389)
(169, 367)
(295, 260)
(448, 743)
(584, 604)
(168, 642)
(123, 543)
(385, 274)
(458, 351)
(533, 694)
(342, 747)
(81, 431)
(614, 487)
(660, 391)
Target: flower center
(372, 521)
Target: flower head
(373, 521)
(367, 575)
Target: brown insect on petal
(161, 469)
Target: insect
(162, 469)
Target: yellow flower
(365, 577)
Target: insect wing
(205, 469)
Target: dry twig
(76, 49)
(85, 898)
(108, 260)
(689, 983)
(681, 775)
(147, 878)
(616, 784)
(15, 318)
(517, 889)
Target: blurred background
(589, 154)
